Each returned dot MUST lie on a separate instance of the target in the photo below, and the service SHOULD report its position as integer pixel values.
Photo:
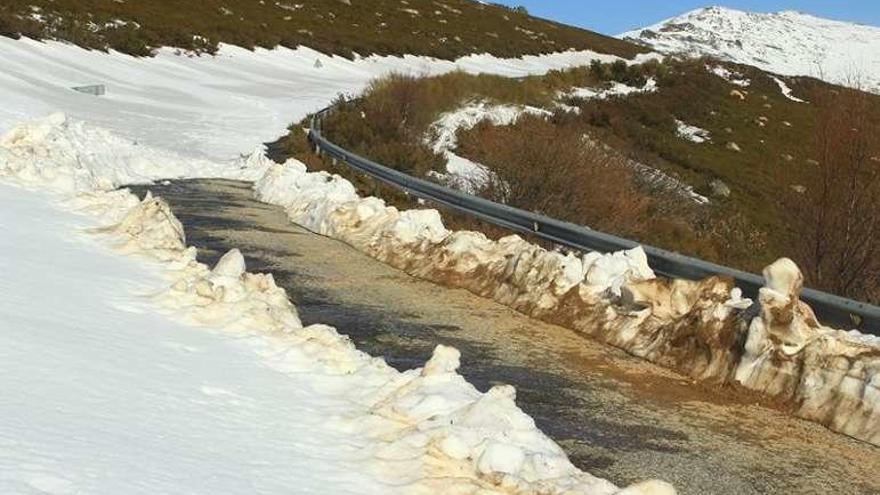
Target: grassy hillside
(761, 146)
(439, 28)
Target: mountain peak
(787, 42)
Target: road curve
(618, 417)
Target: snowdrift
(431, 430)
(701, 328)
(201, 105)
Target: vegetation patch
(758, 165)
(440, 28)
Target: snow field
(364, 427)
(200, 106)
(788, 43)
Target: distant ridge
(789, 43)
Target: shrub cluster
(441, 28)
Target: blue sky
(616, 16)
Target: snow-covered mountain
(789, 43)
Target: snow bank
(832, 377)
(695, 327)
(70, 156)
(429, 429)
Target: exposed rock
(735, 93)
(733, 147)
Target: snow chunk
(615, 90)
(732, 77)
(609, 272)
(691, 133)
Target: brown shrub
(553, 170)
(834, 205)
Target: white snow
(442, 134)
(691, 133)
(788, 43)
(786, 91)
(461, 172)
(614, 90)
(104, 395)
(201, 105)
(732, 77)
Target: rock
(719, 188)
(787, 157)
(735, 93)
(786, 123)
(810, 161)
(798, 188)
(768, 106)
(728, 130)
(733, 147)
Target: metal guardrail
(94, 89)
(831, 309)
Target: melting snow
(786, 91)
(732, 77)
(691, 133)
(463, 173)
(616, 89)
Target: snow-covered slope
(211, 106)
(788, 43)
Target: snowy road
(616, 416)
(100, 397)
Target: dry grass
(605, 197)
(440, 28)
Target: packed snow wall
(704, 329)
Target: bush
(551, 169)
